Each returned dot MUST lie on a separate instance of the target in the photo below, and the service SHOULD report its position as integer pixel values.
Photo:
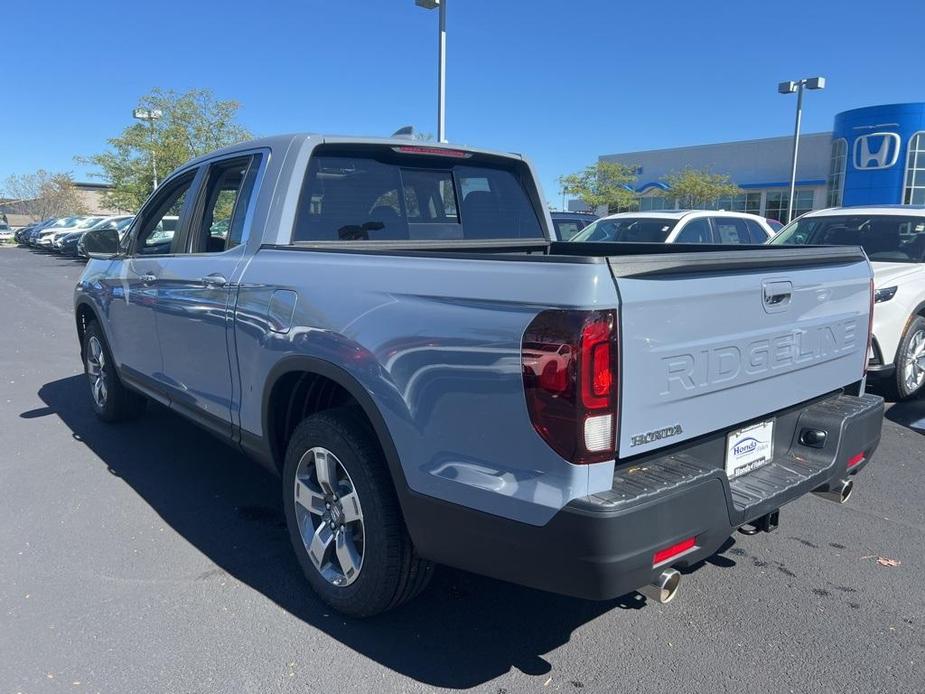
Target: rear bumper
(602, 546)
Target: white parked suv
(894, 239)
(679, 226)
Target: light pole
(441, 64)
(790, 88)
(150, 115)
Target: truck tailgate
(713, 339)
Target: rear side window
(380, 195)
(695, 231)
(732, 230)
(567, 228)
(758, 234)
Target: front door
(196, 295)
(134, 294)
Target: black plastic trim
(714, 259)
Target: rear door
(712, 340)
(195, 300)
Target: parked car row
(65, 234)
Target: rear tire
(345, 525)
(111, 400)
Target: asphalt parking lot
(150, 557)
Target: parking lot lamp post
(790, 88)
(149, 115)
(441, 64)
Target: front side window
(161, 219)
(378, 194)
(627, 229)
(914, 188)
(836, 181)
(885, 238)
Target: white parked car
(894, 239)
(679, 226)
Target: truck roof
(297, 139)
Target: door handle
(214, 280)
(148, 278)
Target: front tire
(909, 378)
(112, 401)
(344, 520)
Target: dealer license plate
(749, 448)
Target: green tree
(695, 188)
(191, 124)
(607, 183)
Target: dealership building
(873, 156)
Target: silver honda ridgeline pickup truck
(395, 330)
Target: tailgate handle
(776, 295)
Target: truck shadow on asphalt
(463, 631)
(910, 414)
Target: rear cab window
(381, 193)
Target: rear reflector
(436, 151)
(856, 460)
(668, 553)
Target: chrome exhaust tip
(664, 587)
(839, 492)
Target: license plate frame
(749, 448)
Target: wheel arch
(277, 392)
(84, 313)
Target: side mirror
(100, 243)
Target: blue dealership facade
(872, 156)
(878, 152)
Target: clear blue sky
(562, 81)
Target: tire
(381, 570)
(111, 400)
(909, 377)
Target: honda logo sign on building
(876, 151)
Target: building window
(914, 187)
(743, 202)
(778, 202)
(655, 202)
(836, 182)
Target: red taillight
(855, 460)
(669, 553)
(570, 380)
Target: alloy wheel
(914, 365)
(330, 517)
(96, 371)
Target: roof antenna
(406, 132)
